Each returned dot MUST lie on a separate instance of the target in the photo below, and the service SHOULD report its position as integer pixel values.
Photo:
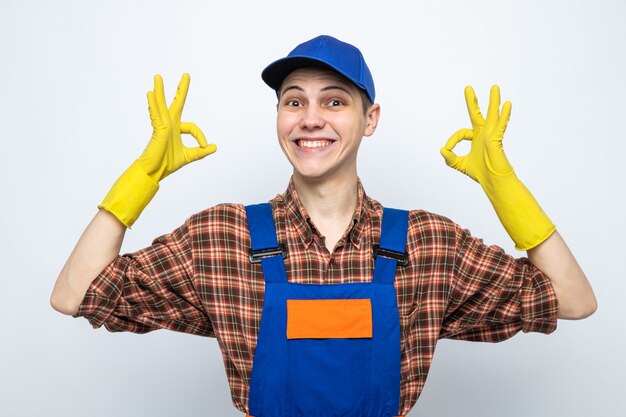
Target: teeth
(314, 143)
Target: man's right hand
(164, 154)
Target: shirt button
(332, 261)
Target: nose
(312, 117)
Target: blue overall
(315, 377)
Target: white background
(73, 77)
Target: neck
(328, 199)
(330, 204)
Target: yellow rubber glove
(164, 154)
(486, 163)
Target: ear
(371, 119)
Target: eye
(335, 103)
(293, 103)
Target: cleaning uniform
(198, 279)
(327, 350)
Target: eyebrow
(330, 87)
(337, 87)
(293, 87)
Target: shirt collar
(298, 216)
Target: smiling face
(320, 124)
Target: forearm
(518, 211)
(99, 244)
(573, 291)
(131, 193)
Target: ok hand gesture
(166, 152)
(486, 156)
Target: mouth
(313, 143)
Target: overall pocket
(329, 353)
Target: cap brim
(275, 73)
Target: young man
(323, 302)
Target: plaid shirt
(198, 280)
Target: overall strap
(265, 247)
(392, 248)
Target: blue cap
(339, 56)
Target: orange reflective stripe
(329, 319)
